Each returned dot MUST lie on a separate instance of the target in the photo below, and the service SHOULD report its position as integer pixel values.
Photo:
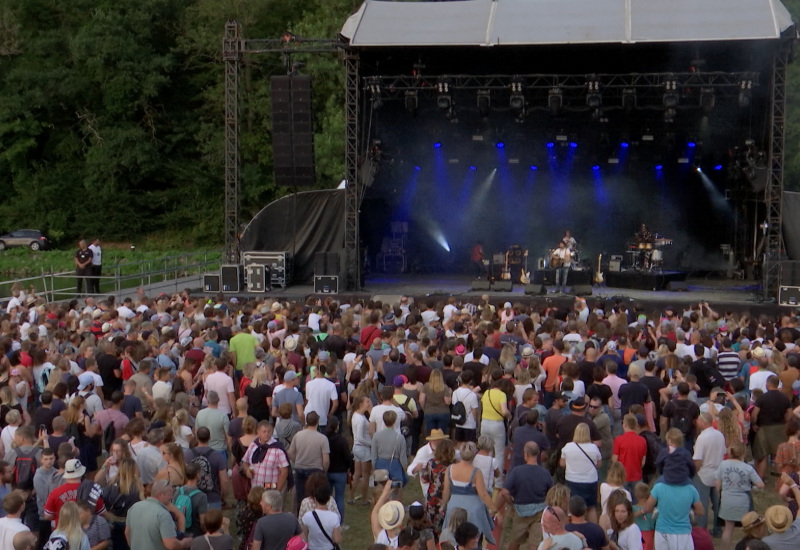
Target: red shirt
(65, 493)
(630, 449)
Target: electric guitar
(506, 273)
(525, 275)
(598, 275)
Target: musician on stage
(476, 257)
(561, 260)
(569, 240)
(644, 238)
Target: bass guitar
(525, 275)
(598, 275)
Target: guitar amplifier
(231, 276)
(326, 284)
(614, 265)
(211, 282)
(789, 296)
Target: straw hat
(436, 435)
(779, 518)
(290, 343)
(751, 520)
(391, 515)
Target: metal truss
(352, 192)
(773, 193)
(232, 57)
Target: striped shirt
(728, 363)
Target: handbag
(324, 532)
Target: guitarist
(569, 240)
(562, 258)
(476, 257)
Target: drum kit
(650, 254)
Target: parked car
(32, 238)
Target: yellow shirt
(492, 403)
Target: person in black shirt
(599, 390)
(341, 462)
(83, 267)
(44, 415)
(588, 364)
(634, 392)
(681, 413)
(109, 367)
(706, 372)
(773, 409)
(452, 370)
(653, 383)
(595, 536)
(565, 427)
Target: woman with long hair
(80, 427)
(69, 527)
(362, 449)
(119, 495)
(434, 475)
(495, 411)
(435, 400)
(259, 396)
(181, 430)
(247, 515)
(457, 518)
(625, 534)
(314, 481)
(110, 468)
(240, 445)
(175, 470)
(581, 458)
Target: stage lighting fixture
(648, 135)
(473, 168)
(659, 167)
(534, 167)
(596, 167)
(562, 137)
(745, 92)
(500, 145)
(555, 100)
(550, 144)
(629, 99)
(613, 160)
(375, 89)
(671, 98)
(707, 99)
(691, 144)
(417, 168)
(444, 101)
(573, 144)
(437, 145)
(624, 144)
(412, 101)
(593, 98)
(718, 167)
(484, 102)
(683, 160)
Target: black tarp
(302, 224)
(791, 224)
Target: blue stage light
(500, 144)
(659, 167)
(473, 168)
(550, 144)
(417, 168)
(596, 167)
(437, 145)
(534, 167)
(691, 145)
(624, 144)
(718, 167)
(573, 144)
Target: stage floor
(722, 294)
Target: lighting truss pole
(232, 57)
(352, 194)
(773, 194)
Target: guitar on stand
(505, 275)
(598, 275)
(525, 274)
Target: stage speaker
(582, 290)
(326, 284)
(320, 263)
(292, 130)
(481, 284)
(614, 266)
(333, 263)
(231, 276)
(255, 278)
(678, 286)
(535, 290)
(211, 282)
(503, 286)
(789, 295)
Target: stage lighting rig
(745, 93)
(629, 99)
(671, 98)
(594, 100)
(707, 99)
(444, 101)
(411, 101)
(555, 100)
(484, 102)
(375, 89)
(517, 99)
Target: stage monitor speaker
(614, 265)
(320, 263)
(582, 290)
(789, 295)
(211, 282)
(326, 284)
(678, 286)
(481, 284)
(503, 286)
(535, 290)
(231, 276)
(292, 130)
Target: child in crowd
(675, 464)
(645, 521)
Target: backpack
(90, 492)
(204, 481)
(109, 435)
(458, 413)
(682, 418)
(24, 469)
(654, 447)
(183, 502)
(407, 425)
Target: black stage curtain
(791, 224)
(301, 224)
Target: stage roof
(380, 23)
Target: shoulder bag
(324, 532)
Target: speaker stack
(327, 272)
(292, 130)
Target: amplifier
(614, 265)
(326, 284)
(211, 282)
(789, 296)
(231, 276)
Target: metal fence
(165, 274)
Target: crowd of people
(187, 422)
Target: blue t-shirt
(528, 483)
(674, 503)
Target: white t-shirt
(319, 394)
(163, 390)
(182, 438)
(8, 528)
(377, 416)
(581, 469)
(97, 254)
(710, 448)
(470, 400)
(313, 322)
(13, 303)
(758, 380)
(605, 492)
(223, 385)
(449, 310)
(125, 312)
(484, 359)
(487, 465)
(7, 436)
(329, 521)
(629, 538)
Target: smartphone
(42, 428)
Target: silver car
(32, 238)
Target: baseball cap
(85, 380)
(399, 380)
(289, 376)
(324, 356)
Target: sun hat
(436, 435)
(751, 520)
(73, 469)
(290, 343)
(276, 306)
(779, 518)
(391, 515)
(527, 351)
(758, 352)
(380, 475)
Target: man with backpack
(212, 477)
(192, 502)
(112, 420)
(681, 413)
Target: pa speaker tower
(292, 130)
